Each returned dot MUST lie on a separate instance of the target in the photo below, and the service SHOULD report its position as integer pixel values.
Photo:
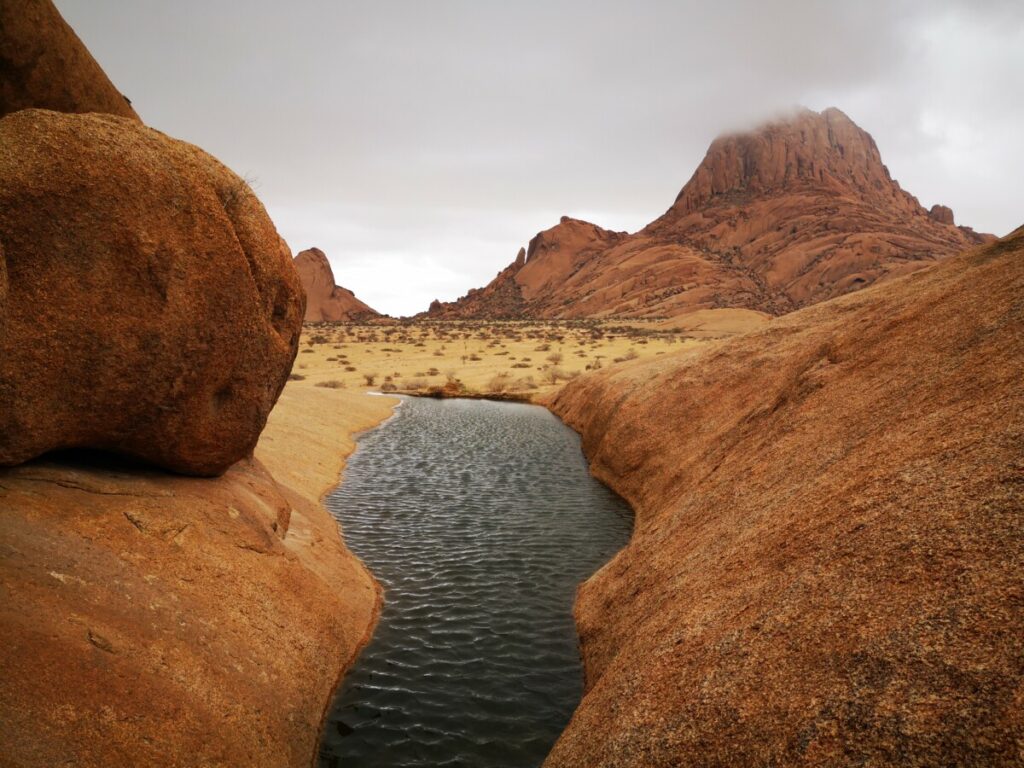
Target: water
(479, 519)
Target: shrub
(296, 377)
(553, 374)
(499, 382)
(370, 378)
(332, 384)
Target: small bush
(500, 382)
(332, 384)
(296, 377)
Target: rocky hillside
(826, 563)
(798, 211)
(43, 64)
(324, 299)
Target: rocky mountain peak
(808, 149)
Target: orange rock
(152, 620)
(793, 213)
(152, 308)
(942, 214)
(43, 64)
(826, 564)
(326, 301)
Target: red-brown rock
(152, 308)
(942, 214)
(826, 563)
(797, 211)
(326, 301)
(43, 64)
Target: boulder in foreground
(152, 308)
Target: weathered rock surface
(326, 301)
(152, 309)
(798, 211)
(43, 64)
(149, 620)
(942, 214)
(826, 565)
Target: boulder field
(827, 558)
(152, 620)
(151, 307)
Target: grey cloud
(421, 143)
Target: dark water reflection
(479, 519)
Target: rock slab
(826, 564)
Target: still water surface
(479, 519)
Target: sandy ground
(528, 359)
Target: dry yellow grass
(524, 359)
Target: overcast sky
(420, 143)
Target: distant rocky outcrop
(43, 64)
(795, 212)
(326, 301)
(826, 563)
(152, 308)
(941, 214)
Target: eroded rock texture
(43, 64)
(152, 309)
(826, 565)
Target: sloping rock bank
(826, 565)
(153, 620)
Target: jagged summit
(324, 299)
(796, 211)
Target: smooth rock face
(43, 64)
(790, 214)
(152, 308)
(326, 301)
(150, 620)
(826, 563)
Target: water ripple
(479, 519)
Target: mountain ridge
(794, 212)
